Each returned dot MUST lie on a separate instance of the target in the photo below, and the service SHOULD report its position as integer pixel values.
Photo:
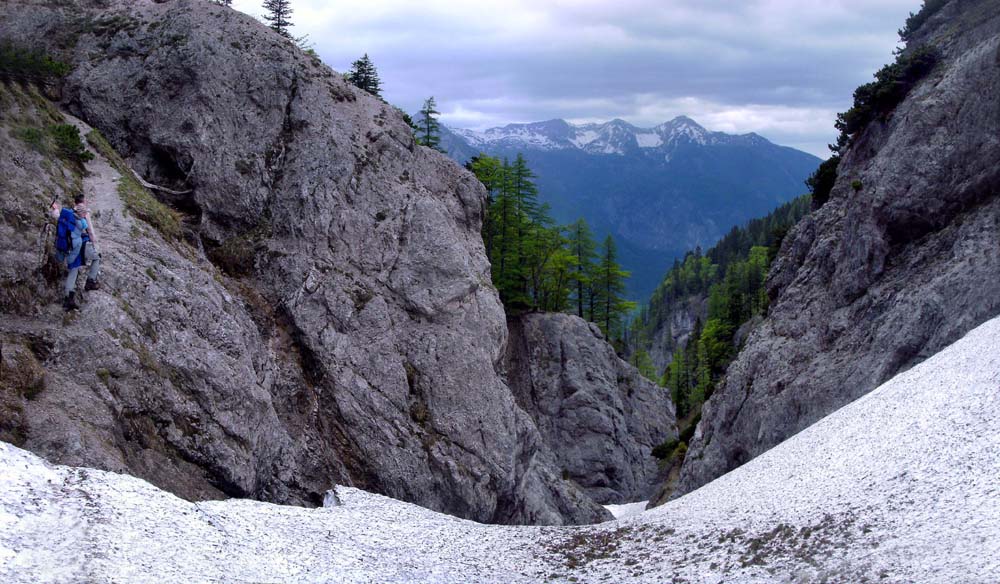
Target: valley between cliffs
(899, 486)
(303, 301)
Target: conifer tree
(278, 14)
(612, 305)
(583, 248)
(488, 170)
(363, 75)
(528, 222)
(224, 2)
(505, 221)
(536, 266)
(555, 283)
(429, 133)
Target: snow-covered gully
(903, 485)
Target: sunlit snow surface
(626, 509)
(901, 486)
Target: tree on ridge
(363, 75)
(278, 14)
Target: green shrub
(872, 101)
(688, 433)
(69, 143)
(32, 137)
(880, 97)
(821, 182)
(21, 63)
(666, 449)
(915, 21)
(679, 452)
(235, 257)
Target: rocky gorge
(296, 293)
(902, 260)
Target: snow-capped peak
(616, 137)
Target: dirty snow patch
(899, 486)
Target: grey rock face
(353, 336)
(598, 415)
(684, 314)
(877, 280)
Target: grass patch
(236, 257)
(69, 144)
(17, 297)
(138, 200)
(147, 360)
(22, 373)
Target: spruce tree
(363, 75)
(224, 2)
(277, 16)
(429, 133)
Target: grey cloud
(782, 68)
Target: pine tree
(224, 2)
(363, 75)
(429, 133)
(277, 16)
(583, 248)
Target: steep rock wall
(675, 332)
(345, 329)
(879, 279)
(595, 411)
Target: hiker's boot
(70, 302)
(92, 285)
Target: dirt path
(111, 223)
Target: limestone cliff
(600, 417)
(312, 306)
(901, 261)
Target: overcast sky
(781, 68)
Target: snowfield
(903, 485)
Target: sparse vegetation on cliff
(915, 21)
(873, 101)
(23, 64)
(138, 200)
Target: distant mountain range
(660, 191)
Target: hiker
(76, 244)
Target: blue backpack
(69, 233)
(64, 230)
